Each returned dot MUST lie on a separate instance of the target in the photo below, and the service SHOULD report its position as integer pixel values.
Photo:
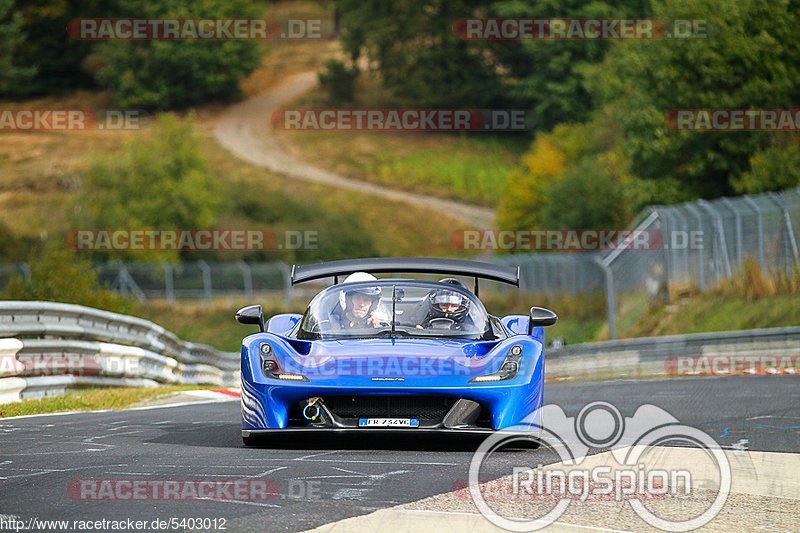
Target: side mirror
(252, 314)
(541, 317)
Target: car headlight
(270, 367)
(508, 370)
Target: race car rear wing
(425, 265)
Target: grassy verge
(392, 228)
(580, 317)
(88, 400)
(212, 322)
(719, 312)
(466, 167)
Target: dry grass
(753, 282)
(467, 167)
(89, 400)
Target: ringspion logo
(634, 472)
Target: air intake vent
(423, 407)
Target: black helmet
(448, 296)
(454, 281)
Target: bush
(58, 276)
(339, 81)
(11, 36)
(775, 168)
(14, 248)
(174, 74)
(161, 181)
(586, 197)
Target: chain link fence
(692, 246)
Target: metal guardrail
(755, 350)
(47, 348)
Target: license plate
(389, 422)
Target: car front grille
(422, 407)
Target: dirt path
(245, 131)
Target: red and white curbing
(215, 394)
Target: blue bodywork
(392, 367)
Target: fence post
(701, 267)
(247, 275)
(685, 226)
(125, 284)
(206, 279)
(665, 227)
(168, 282)
(26, 272)
(760, 225)
(611, 301)
(791, 243)
(286, 271)
(738, 221)
(722, 244)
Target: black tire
(250, 440)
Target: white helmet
(359, 276)
(372, 292)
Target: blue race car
(393, 354)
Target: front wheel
(250, 440)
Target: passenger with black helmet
(447, 308)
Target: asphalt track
(323, 480)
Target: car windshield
(420, 309)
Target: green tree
(161, 181)
(416, 52)
(339, 81)
(174, 74)
(48, 49)
(549, 76)
(524, 201)
(554, 186)
(13, 247)
(772, 169)
(11, 36)
(57, 275)
(587, 197)
(750, 60)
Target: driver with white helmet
(357, 305)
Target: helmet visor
(448, 298)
